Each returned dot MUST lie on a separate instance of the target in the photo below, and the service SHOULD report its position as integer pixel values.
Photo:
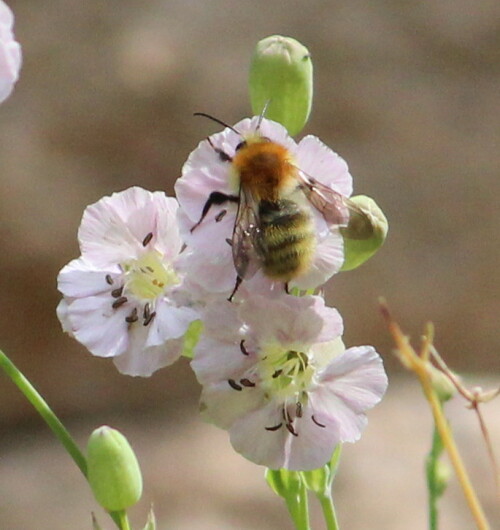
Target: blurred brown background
(408, 93)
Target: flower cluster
(10, 52)
(273, 368)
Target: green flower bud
(281, 77)
(442, 477)
(113, 471)
(365, 233)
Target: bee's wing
(330, 203)
(246, 229)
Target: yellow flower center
(148, 277)
(285, 374)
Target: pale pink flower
(124, 297)
(10, 52)
(206, 171)
(276, 375)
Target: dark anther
(109, 280)
(147, 311)
(275, 428)
(119, 302)
(277, 373)
(247, 383)
(298, 409)
(241, 145)
(147, 239)
(116, 293)
(290, 429)
(242, 347)
(229, 242)
(150, 269)
(286, 288)
(234, 384)
(132, 317)
(148, 320)
(317, 422)
(220, 216)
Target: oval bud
(365, 233)
(442, 384)
(281, 77)
(113, 471)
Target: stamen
(290, 429)
(116, 293)
(275, 428)
(148, 320)
(277, 374)
(317, 422)
(229, 242)
(234, 384)
(132, 317)
(247, 383)
(220, 216)
(147, 240)
(119, 302)
(242, 348)
(109, 280)
(298, 409)
(147, 311)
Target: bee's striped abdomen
(286, 241)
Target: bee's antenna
(262, 114)
(216, 120)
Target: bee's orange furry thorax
(264, 169)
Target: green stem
(433, 488)
(299, 510)
(123, 520)
(41, 406)
(44, 410)
(329, 512)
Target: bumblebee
(274, 228)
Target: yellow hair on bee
(265, 169)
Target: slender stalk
(44, 410)
(418, 365)
(299, 510)
(432, 486)
(329, 512)
(60, 431)
(123, 520)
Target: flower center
(285, 374)
(148, 277)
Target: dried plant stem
(419, 365)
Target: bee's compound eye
(241, 145)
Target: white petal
(250, 438)
(169, 323)
(318, 161)
(62, 315)
(10, 53)
(353, 383)
(216, 361)
(80, 278)
(222, 405)
(98, 326)
(140, 361)
(328, 260)
(313, 446)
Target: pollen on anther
(246, 382)
(147, 239)
(148, 320)
(233, 384)
(119, 302)
(116, 293)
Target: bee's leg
(287, 290)
(218, 198)
(239, 279)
